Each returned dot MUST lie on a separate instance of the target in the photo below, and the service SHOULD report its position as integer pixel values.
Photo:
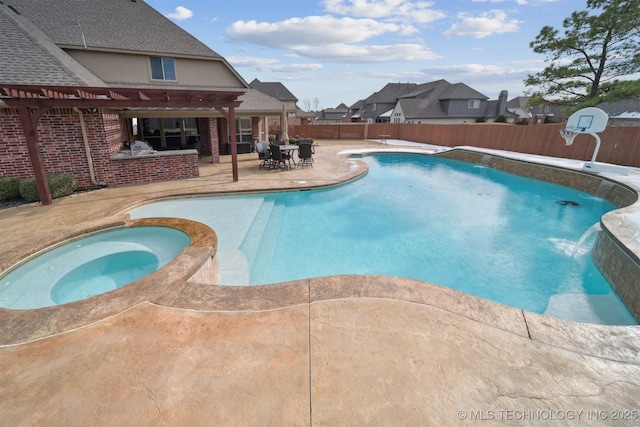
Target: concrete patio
(347, 350)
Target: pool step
(255, 232)
(263, 259)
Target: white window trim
(162, 63)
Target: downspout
(87, 149)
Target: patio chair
(308, 141)
(264, 154)
(278, 159)
(305, 155)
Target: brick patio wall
(63, 150)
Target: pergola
(32, 101)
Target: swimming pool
(499, 236)
(90, 266)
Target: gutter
(87, 149)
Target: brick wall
(215, 140)
(168, 166)
(62, 149)
(14, 156)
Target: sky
(328, 52)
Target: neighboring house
(534, 115)
(128, 46)
(623, 113)
(378, 106)
(280, 92)
(440, 102)
(437, 102)
(332, 115)
(353, 114)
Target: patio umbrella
(283, 125)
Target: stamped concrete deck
(348, 350)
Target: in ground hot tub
(90, 265)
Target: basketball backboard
(588, 120)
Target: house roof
(623, 109)
(357, 105)
(390, 93)
(414, 108)
(339, 109)
(518, 102)
(422, 90)
(274, 89)
(461, 91)
(122, 25)
(28, 56)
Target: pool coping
(21, 326)
(178, 289)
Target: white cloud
(270, 64)
(310, 37)
(484, 25)
(308, 31)
(368, 53)
(406, 11)
(495, 70)
(180, 14)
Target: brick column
(215, 140)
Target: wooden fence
(620, 144)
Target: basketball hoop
(568, 136)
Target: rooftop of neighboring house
(461, 91)
(623, 109)
(420, 100)
(390, 93)
(274, 89)
(342, 108)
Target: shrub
(60, 185)
(501, 119)
(9, 188)
(481, 120)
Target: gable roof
(415, 108)
(274, 89)
(124, 25)
(28, 56)
(424, 89)
(461, 91)
(390, 93)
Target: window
(162, 68)
(168, 133)
(474, 103)
(243, 130)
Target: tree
(311, 105)
(588, 60)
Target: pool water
(90, 266)
(485, 232)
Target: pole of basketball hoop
(595, 153)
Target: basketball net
(568, 136)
